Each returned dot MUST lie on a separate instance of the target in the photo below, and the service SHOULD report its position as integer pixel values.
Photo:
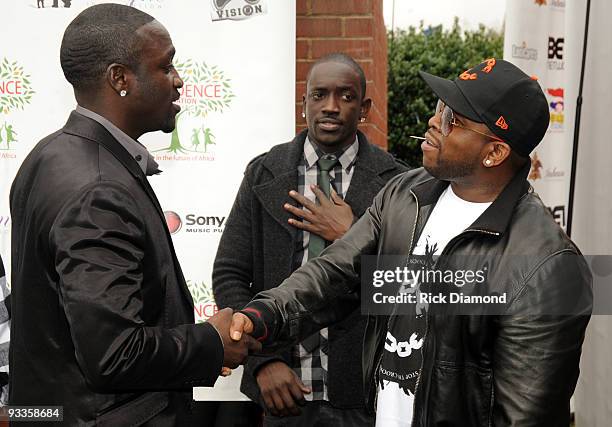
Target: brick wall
(356, 28)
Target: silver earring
(303, 114)
(488, 162)
(362, 119)
(123, 92)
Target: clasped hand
(235, 351)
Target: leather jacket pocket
(134, 412)
(460, 395)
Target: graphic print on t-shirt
(405, 340)
(402, 356)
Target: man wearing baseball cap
(469, 206)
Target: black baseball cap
(497, 93)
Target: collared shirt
(312, 367)
(138, 151)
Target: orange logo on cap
(501, 122)
(490, 64)
(466, 75)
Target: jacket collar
(283, 161)
(132, 146)
(346, 158)
(90, 129)
(497, 217)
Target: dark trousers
(226, 414)
(321, 414)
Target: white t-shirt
(403, 343)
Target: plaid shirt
(312, 367)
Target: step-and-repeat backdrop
(237, 58)
(535, 42)
(546, 37)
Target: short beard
(445, 171)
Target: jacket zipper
(445, 251)
(377, 366)
(418, 381)
(478, 230)
(416, 220)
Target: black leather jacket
(509, 370)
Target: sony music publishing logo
(555, 53)
(523, 52)
(237, 10)
(174, 221)
(194, 223)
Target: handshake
(233, 329)
(282, 390)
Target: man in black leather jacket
(517, 367)
(102, 319)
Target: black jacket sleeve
(308, 300)
(538, 346)
(98, 240)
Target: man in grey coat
(293, 201)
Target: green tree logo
(15, 93)
(206, 90)
(200, 292)
(202, 295)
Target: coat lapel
(92, 130)
(274, 194)
(281, 161)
